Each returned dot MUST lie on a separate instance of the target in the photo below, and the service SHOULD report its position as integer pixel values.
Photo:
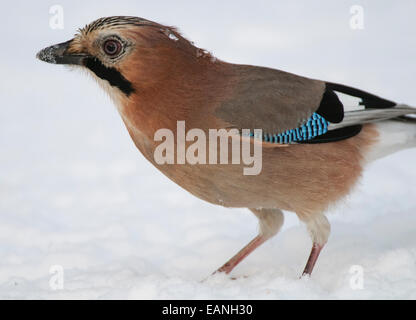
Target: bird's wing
(289, 108)
(271, 100)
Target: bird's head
(125, 54)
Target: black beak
(58, 54)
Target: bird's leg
(270, 222)
(316, 250)
(319, 229)
(249, 248)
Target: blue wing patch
(315, 126)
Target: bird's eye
(112, 47)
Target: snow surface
(75, 192)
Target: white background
(75, 192)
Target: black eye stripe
(112, 75)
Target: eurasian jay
(313, 150)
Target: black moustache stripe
(112, 75)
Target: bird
(313, 148)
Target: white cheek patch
(114, 93)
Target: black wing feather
(332, 109)
(368, 100)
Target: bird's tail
(369, 115)
(396, 127)
(394, 122)
(393, 135)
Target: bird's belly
(302, 178)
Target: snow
(75, 193)
(173, 37)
